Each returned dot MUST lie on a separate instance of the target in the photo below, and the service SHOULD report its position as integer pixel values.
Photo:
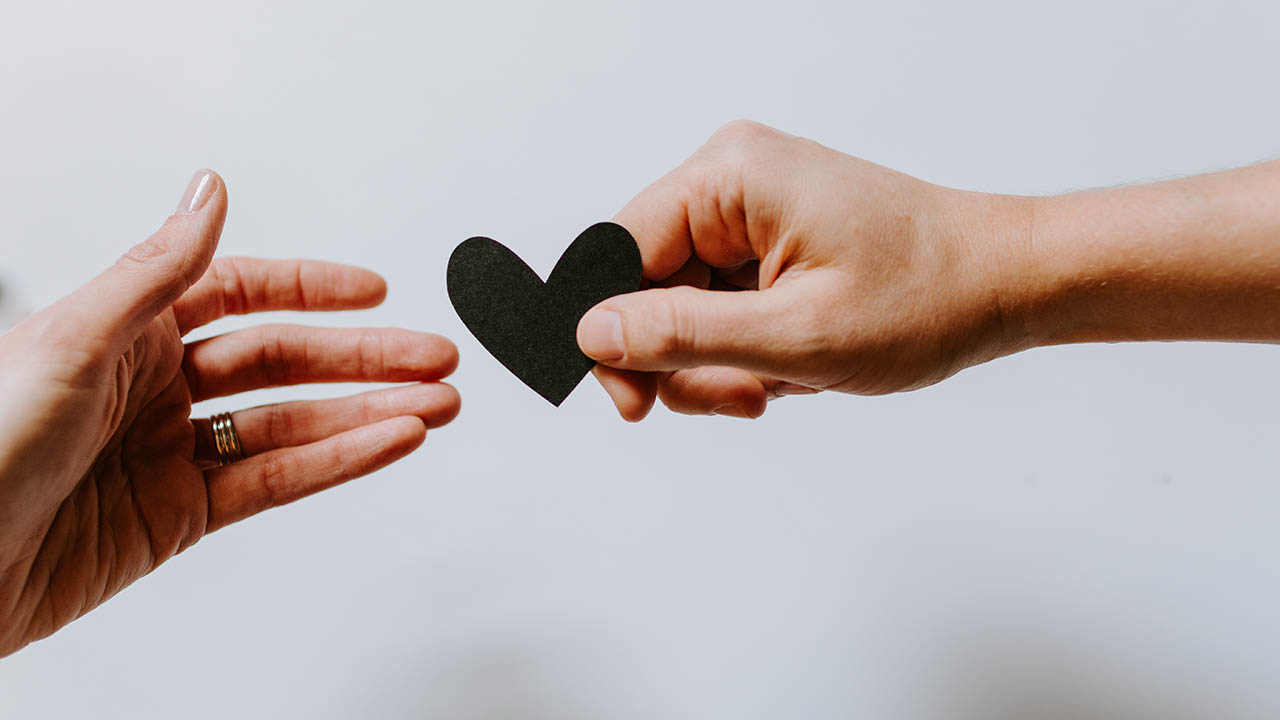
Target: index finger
(697, 209)
(237, 286)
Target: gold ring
(225, 439)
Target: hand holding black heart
(531, 326)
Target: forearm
(1190, 259)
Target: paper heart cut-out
(531, 326)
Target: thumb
(683, 327)
(118, 304)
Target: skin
(778, 267)
(104, 474)
(783, 267)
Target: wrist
(1042, 273)
(1071, 269)
(1189, 259)
(1061, 269)
(1005, 286)
(1058, 273)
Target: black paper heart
(531, 326)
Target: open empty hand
(104, 474)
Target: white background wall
(1084, 532)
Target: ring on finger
(226, 441)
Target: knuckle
(371, 355)
(374, 407)
(146, 251)
(230, 277)
(665, 341)
(741, 130)
(675, 395)
(740, 143)
(151, 257)
(347, 457)
(737, 156)
(280, 427)
(274, 355)
(217, 274)
(676, 327)
(273, 477)
(313, 284)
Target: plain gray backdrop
(1079, 532)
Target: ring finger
(290, 424)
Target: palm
(142, 500)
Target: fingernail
(197, 193)
(732, 411)
(600, 335)
(790, 388)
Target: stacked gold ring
(225, 440)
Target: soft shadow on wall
(1030, 678)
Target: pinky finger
(279, 477)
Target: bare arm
(1190, 259)
(854, 278)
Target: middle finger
(275, 355)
